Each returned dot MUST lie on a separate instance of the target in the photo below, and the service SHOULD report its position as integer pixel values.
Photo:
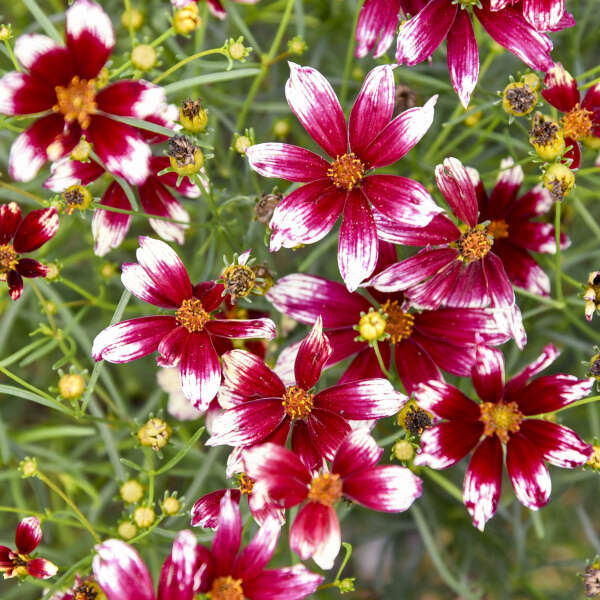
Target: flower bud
(403, 450)
(532, 80)
(133, 18)
(518, 99)
(155, 433)
(546, 137)
(71, 386)
(132, 491)
(127, 530)
(28, 467)
(5, 32)
(241, 144)
(143, 57)
(559, 180)
(297, 46)
(592, 295)
(473, 118)
(371, 326)
(185, 157)
(144, 516)
(171, 505)
(236, 50)
(193, 116)
(594, 460)
(281, 128)
(186, 19)
(52, 271)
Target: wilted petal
(314, 102)
(28, 535)
(463, 57)
(445, 444)
(483, 481)
(286, 162)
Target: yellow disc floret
(326, 489)
(346, 171)
(501, 419)
(298, 403)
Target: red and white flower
(342, 184)
(440, 19)
(64, 83)
(354, 475)
(502, 418)
(19, 562)
(459, 268)
(185, 338)
(265, 409)
(543, 15)
(109, 227)
(19, 235)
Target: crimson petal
(179, 574)
(255, 556)
(445, 444)
(286, 162)
(312, 355)
(249, 375)
(488, 374)
(36, 229)
(228, 537)
(288, 583)
(463, 57)
(109, 228)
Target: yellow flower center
(346, 171)
(326, 489)
(474, 245)
(191, 315)
(245, 483)
(8, 258)
(76, 198)
(498, 229)
(297, 402)
(371, 326)
(577, 123)
(398, 324)
(518, 99)
(500, 419)
(226, 588)
(77, 101)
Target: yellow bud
(186, 19)
(144, 516)
(559, 180)
(185, 157)
(107, 270)
(5, 32)
(132, 491)
(71, 386)
(371, 326)
(133, 18)
(281, 128)
(241, 144)
(237, 51)
(127, 530)
(81, 152)
(594, 459)
(171, 505)
(155, 433)
(403, 450)
(474, 118)
(143, 57)
(192, 167)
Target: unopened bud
(81, 152)
(186, 19)
(143, 57)
(403, 450)
(144, 516)
(127, 530)
(71, 386)
(28, 467)
(171, 505)
(241, 144)
(132, 491)
(155, 433)
(133, 18)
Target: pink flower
(23, 235)
(423, 342)
(215, 6)
(354, 476)
(64, 81)
(19, 562)
(461, 270)
(342, 184)
(421, 35)
(543, 15)
(185, 338)
(581, 118)
(515, 233)
(265, 409)
(501, 418)
(110, 228)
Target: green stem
(17, 190)
(380, 360)
(581, 402)
(589, 72)
(135, 213)
(43, 20)
(12, 55)
(186, 60)
(93, 299)
(26, 385)
(444, 483)
(542, 299)
(557, 269)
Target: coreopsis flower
(109, 228)
(503, 418)
(439, 19)
(512, 226)
(543, 15)
(378, 22)
(185, 338)
(342, 185)
(19, 562)
(215, 6)
(581, 117)
(354, 475)
(265, 409)
(65, 83)
(19, 235)
(422, 342)
(459, 268)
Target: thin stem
(12, 55)
(186, 60)
(26, 385)
(542, 299)
(17, 190)
(380, 360)
(136, 213)
(93, 299)
(557, 269)
(444, 483)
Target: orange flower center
(474, 245)
(297, 402)
(326, 489)
(245, 483)
(498, 229)
(226, 588)
(77, 101)
(346, 171)
(398, 324)
(501, 419)
(191, 315)
(577, 123)
(8, 258)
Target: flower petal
(172, 347)
(522, 269)
(543, 15)
(316, 533)
(458, 189)
(327, 431)
(488, 374)
(135, 278)
(415, 364)
(90, 37)
(286, 162)
(255, 556)
(357, 246)
(551, 392)
(139, 99)
(547, 357)
(45, 59)
(527, 471)
(483, 481)
(242, 328)
(463, 57)
(358, 451)
(445, 444)
(249, 375)
(67, 172)
(179, 574)
(228, 537)
(558, 445)
(15, 284)
(41, 568)
(288, 583)
(440, 230)
(314, 102)
(28, 535)
(22, 94)
(446, 401)
(400, 135)
(36, 229)
(421, 35)
(205, 512)
(312, 355)
(109, 228)
(28, 267)
(129, 340)
(121, 573)
(373, 108)
(10, 217)
(376, 28)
